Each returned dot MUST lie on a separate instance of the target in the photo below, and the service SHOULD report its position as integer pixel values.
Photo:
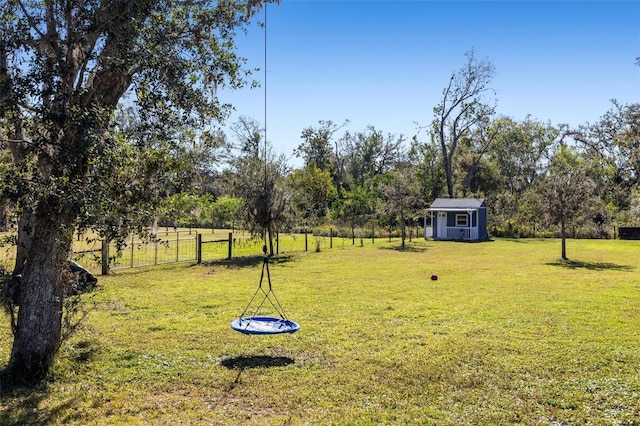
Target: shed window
(462, 220)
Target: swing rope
(255, 324)
(268, 295)
(258, 324)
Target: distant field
(507, 334)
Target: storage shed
(457, 219)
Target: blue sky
(385, 63)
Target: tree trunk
(562, 235)
(447, 156)
(270, 240)
(448, 171)
(154, 227)
(46, 239)
(4, 218)
(470, 172)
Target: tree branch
(32, 22)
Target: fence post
(177, 246)
(133, 247)
(306, 241)
(230, 245)
(330, 238)
(199, 248)
(105, 257)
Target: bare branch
(30, 19)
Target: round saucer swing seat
(264, 325)
(256, 324)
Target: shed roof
(457, 203)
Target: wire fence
(158, 251)
(193, 245)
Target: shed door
(442, 225)
(428, 225)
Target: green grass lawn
(508, 334)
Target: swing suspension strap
(268, 295)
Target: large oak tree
(65, 66)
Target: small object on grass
(434, 277)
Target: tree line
(537, 179)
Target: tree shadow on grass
(249, 261)
(592, 266)
(22, 405)
(408, 248)
(22, 402)
(517, 240)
